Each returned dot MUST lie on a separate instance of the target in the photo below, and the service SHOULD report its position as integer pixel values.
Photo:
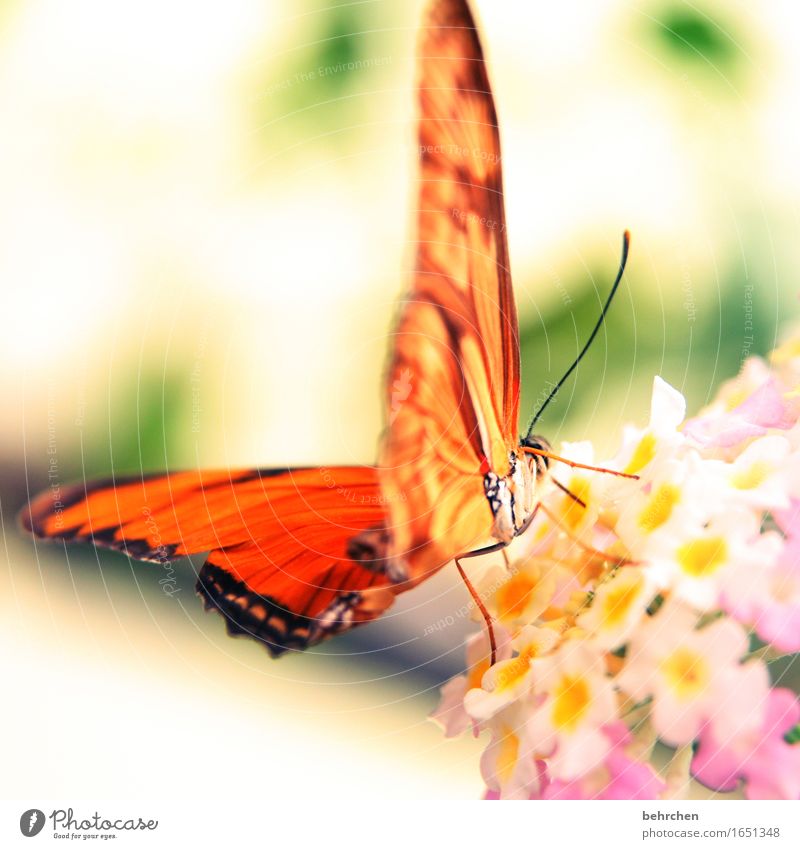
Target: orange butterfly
(298, 555)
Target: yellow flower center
(736, 397)
(686, 673)
(574, 512)
(511, 671)
(659, 507)
(618, 601)
(788, 351)
(476, 673)
(702, 557)
(751, 477)
(514, 595)
(571, 700)
(507, 755)
(644, 453)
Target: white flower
(510, 680)
(519, 595)
(643, 593)
(643, 450)
(687, 671)
(697, 564)
(764, 475)
(618, 605)
(580, 699)
(682, 495)
(510, 764)
(450, 713)
(575, 518)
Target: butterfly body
(512, 498)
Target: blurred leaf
(693, 350)
(341, 42)
(691, 35)
(146, 428)
(548, 347)
(793, 736)
(310, 94)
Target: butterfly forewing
(453, 388)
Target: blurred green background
(206, 227)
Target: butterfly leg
(489, 549)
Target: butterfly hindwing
(296, 555)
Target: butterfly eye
(537, 443)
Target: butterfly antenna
(626, 241)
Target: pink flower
(765, 408)
(768, 764)
(620, 776)
(768, 599)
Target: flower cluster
(647, 612)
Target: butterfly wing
(296, 555)
(453, 385)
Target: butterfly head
(513, 497)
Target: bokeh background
(205, 229)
